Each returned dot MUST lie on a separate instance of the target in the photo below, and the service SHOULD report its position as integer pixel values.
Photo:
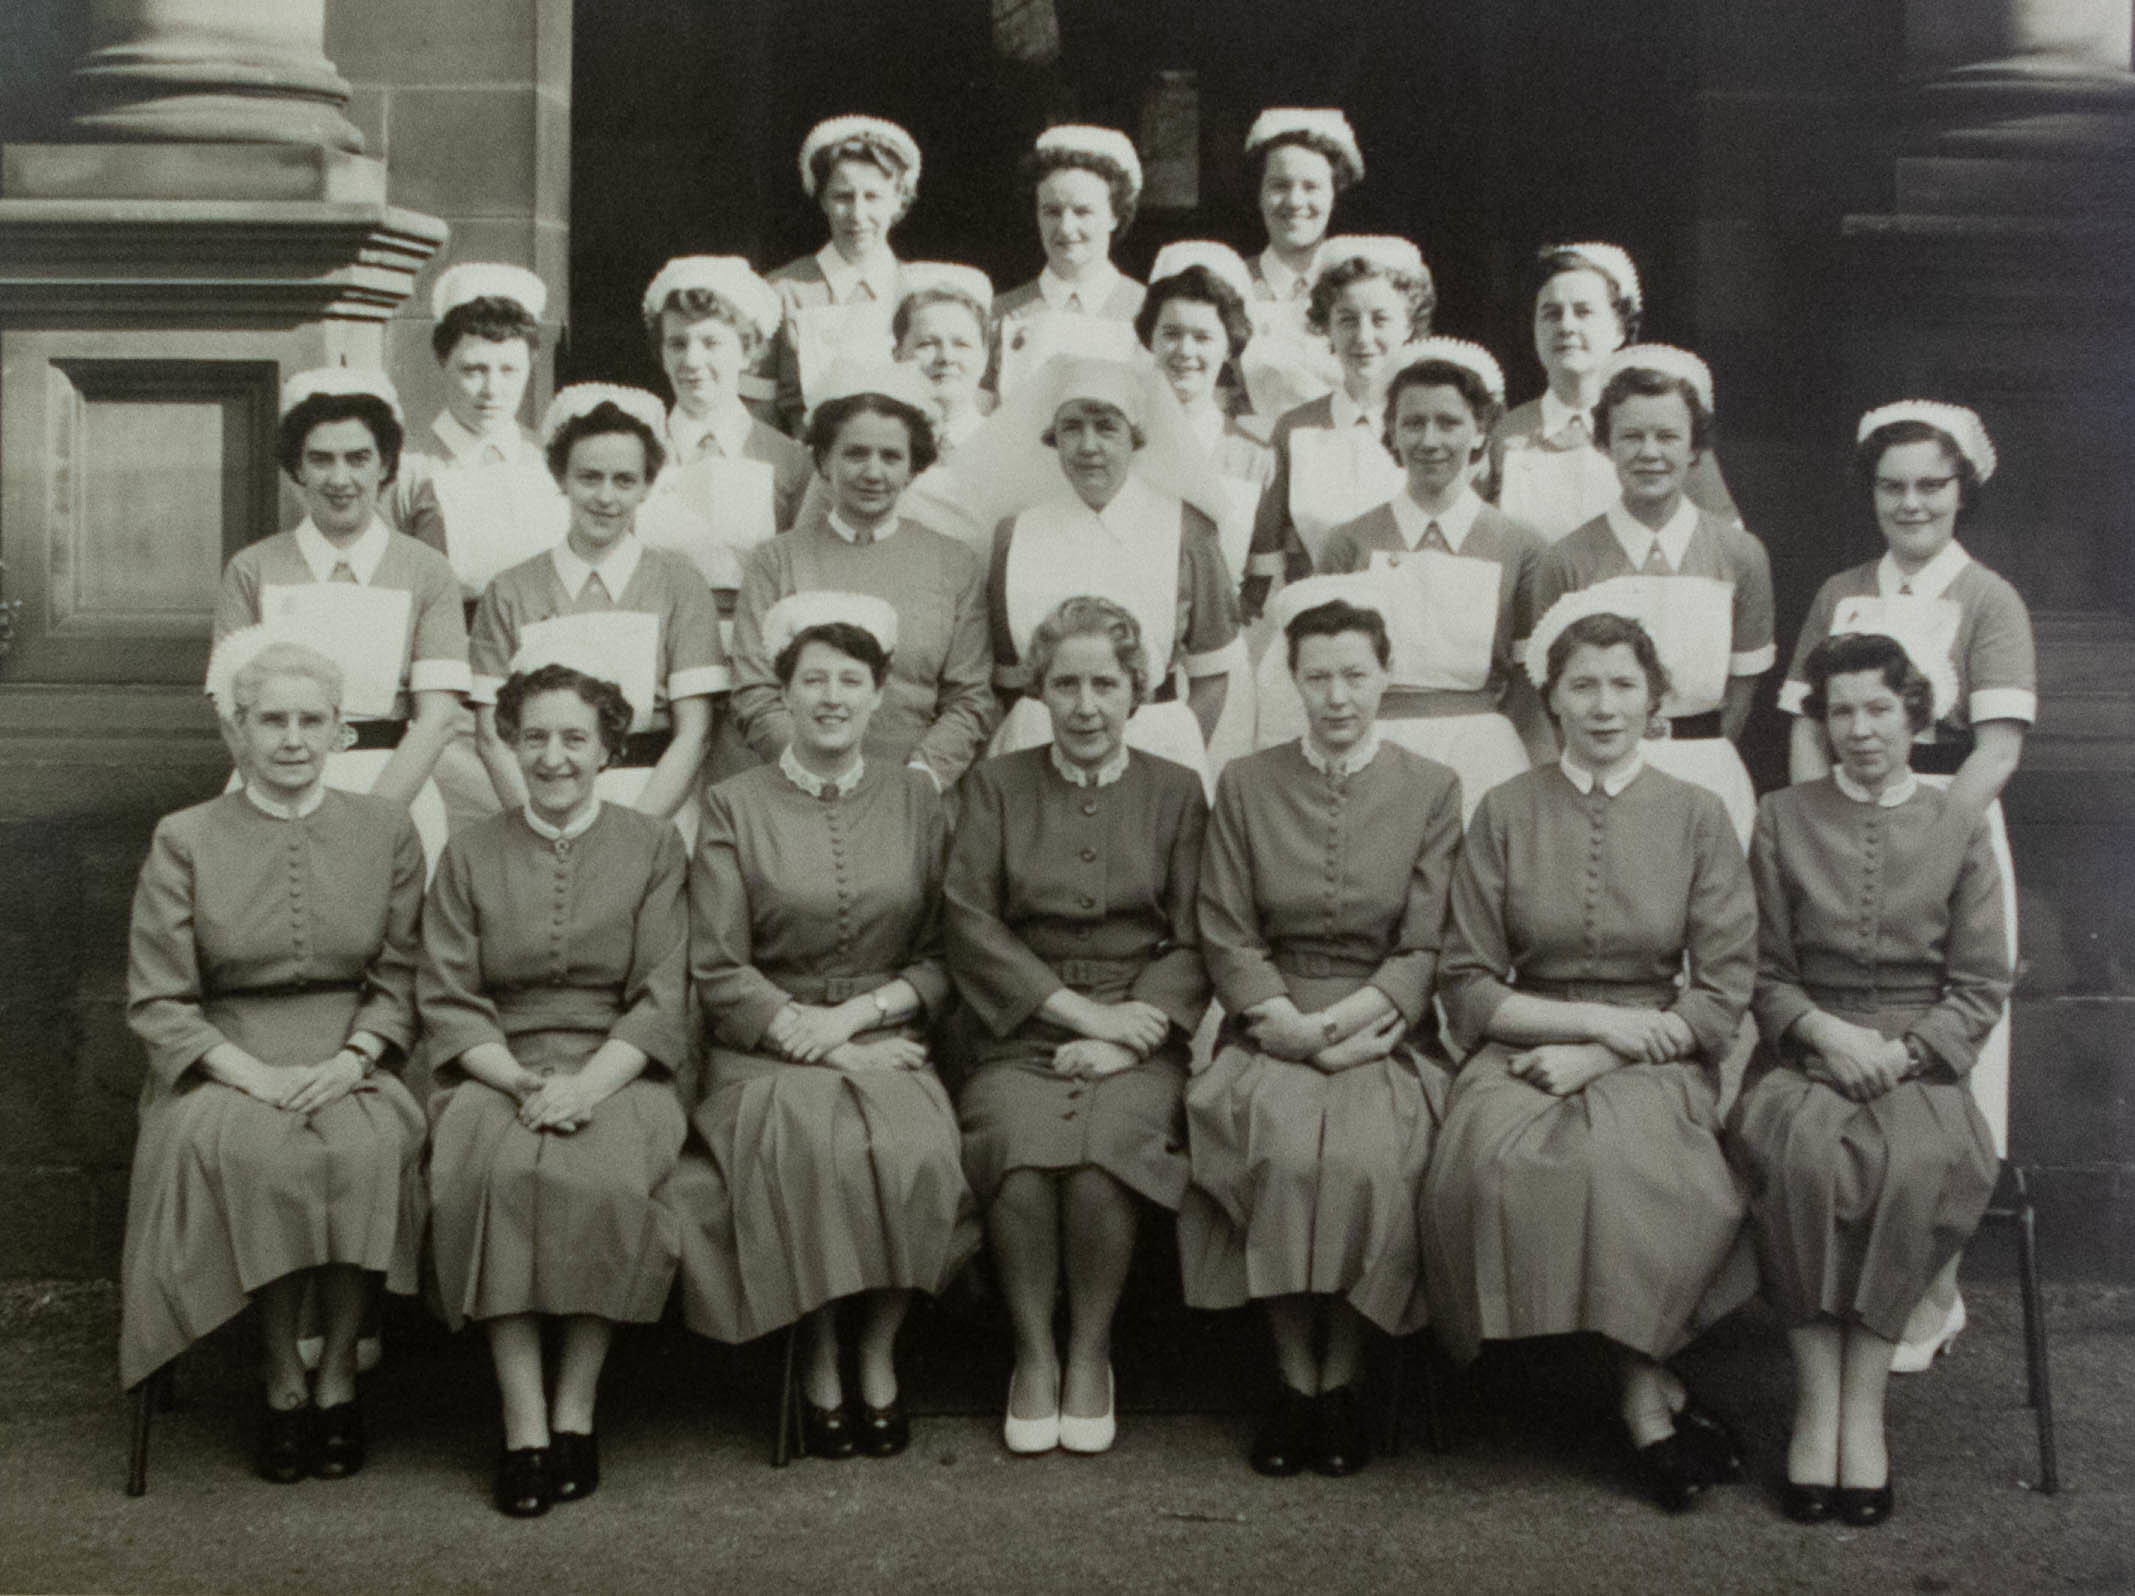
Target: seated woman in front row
(1578, 1183)
(1323, 896)
(272, 974)
(554, 962)
(1070, 913)
(1882, 966)
(834, 1173)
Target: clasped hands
(809, 1034)
(304, 1089)
(1616, 1037)
(1127, 1033)
(1281, 1030)
(1858, 1063)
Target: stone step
(2017, 186)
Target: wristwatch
(882, 1005)
(1329, 1031)
(363, 1051)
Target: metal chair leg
(791, 1442)
(2040, 1388)
(144, 1400)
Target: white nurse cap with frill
(728, 276)
(583, 398)
(1613, 261)
(1383, 250)
(875, 130)
(1459, 352)
(1630, 597)
(339, 380)
(1100, 143)
(923, 276)
(233, 651)
(1319, 122)
(1669, 361)
(1218, 260)
(482, 279)
(796, 612)
(1959, 423)
(850, 375)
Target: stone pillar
(236, 71)
(2014, 78)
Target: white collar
(1557, 415)
(1618, 780)
(577, 826)
(1889, 798)
(615, 571)
(878, 276)
(1932, 580)
(1103, 776)
(1454, 525)
(1092, 292)
(1283, 282)
(465, 446)
(851, 534)
(1638, 539)
(729, 428)
(1206, 426)
(304, 807)
(1130, 514)
(959, 426)
(1340, 767)
(790, 766)
(363, 555)
(1347, 412)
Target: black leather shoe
(337, 1448)
(1286, 1440)
(826, 1432)
(523, 1482)
(1809, 1504)
(884, 1432)
(1667, 1475)
(1341, 1446)
(1862, 1508)
(1715, 1450)
(574, 1465)
(284, 1443)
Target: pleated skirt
(1015, 1113)
(1305, 1182)
(1613, 1210)
(1856, 1206)
(526, 1221)
(812, 1184)
(229, 1194)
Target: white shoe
(1091, 1435)
(1028, 1437)
(1915, 1357)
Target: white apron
(1286, 363)
(1556, 491)
(1336, 474)
(495, 517)
(823, 333)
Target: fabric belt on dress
(1628, 994)
(1860, 998)
(1694, 727)
(642, 750)
(376, 734)
(289, 989)
(1943, 756)
(1435, 703)
(1301, 961)
(1097, 972)
(805, 988)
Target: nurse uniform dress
(1085, 880)
(1546, 469)
(284, 932)
(1319, 877)
(1614, 1209)
(938, 706)
(1286, 364)
(641, 619)
(834, 311)
(1702, 588)
(1331, 466)
(1457, 592)
(551, 941)
(1045, 317)
(1952, 607)
(819, 1182)
(386, 610)
(1243, 466)
(1867, 912)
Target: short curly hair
(1346, 176)
(701, 304)
(611, 709)
(1090, 616)
(1332, 619)
(1484, 405)
(492, 317)
(1556, 262)
(829, 418)
(604, 418)
(854, 642)
(1868, 455)
(1195, 285)
(1639, 382)
(282, 658)
(1845, 653)
(1038, 165)
(323, 409)
(1421, 292)
(1607, 631)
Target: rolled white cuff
(698, 682)
(2003, 703)
(1264, 565)
(1753, 663)
(1231, 656)
(1792, 695)
(440, 676)
(484, 690)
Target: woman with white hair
(272, 978)
(863, 172)
(1298, 160)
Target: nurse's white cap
(796, 612)
(1959, 422)
(1459, 352)
(903, 148)
(1613, 261)
(955, 276)
(1382, 249)
(1322, 122)
(728, 276)
(1219, 260)
(339, 380)
(1103, 143)
(582, 398)
(893, 379)
(1669, 361)
(481, 279)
